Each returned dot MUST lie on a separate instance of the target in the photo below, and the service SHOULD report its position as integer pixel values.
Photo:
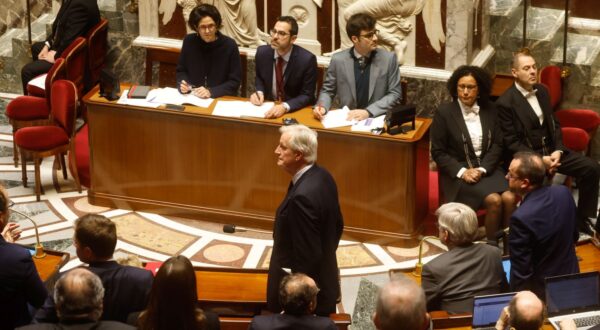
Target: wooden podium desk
(193, 164)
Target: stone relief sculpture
(391, 21)
(239, 17)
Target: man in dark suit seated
(78, 296)
(74, 19)
(20, 283)
(528, 124)
(127, 288)
(468, 269)
(308, 223)
(298, 297)
(542, 229)
(284, 72)
(401, 305)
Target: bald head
(298, 294)
(401, 301)
(526, 311)
(78, 295)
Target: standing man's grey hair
(401, 302)
(78, 295)
(460, 221)
(302, 139)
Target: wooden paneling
(224, 170)
(325, 26)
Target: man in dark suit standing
(285, 72)
(308, 223)
(528, 124)
(298, 296)
(127, 288)
(542, 230)
(74, 19)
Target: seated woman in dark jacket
(466, 144)
(209, 63)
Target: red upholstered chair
(587, 120)
(50, 140)
(79, 156)
(32, 110)
(550, 76)
(577, 140)
(97, 48)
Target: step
(542, 24)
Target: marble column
(459, 32)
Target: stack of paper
(170, 95)
(337, 118)
(241, 109)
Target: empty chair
(79, 157)
(97, 48)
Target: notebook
(487, 309)
(575, 296)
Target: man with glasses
(285, 72)
(364, 78)
(542, 230)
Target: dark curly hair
(483, 79)
(201, 11)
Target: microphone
(419, 265)
(231, 229)
(39, 249)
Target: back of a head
(531, 167)
(460, 221)
(98, 233)
(526, 311)
(78, 295)
(296, 293)
(401, 304)
(173, 298)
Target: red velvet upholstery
(550, 76)
(81, 151)
(27, 108)
(586, 119)
(56, 72)
(76, 60)
(575, 138)
(43, 141)
(97, 48)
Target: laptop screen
(572, 293)
(487, 309)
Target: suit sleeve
(512, 130)
(309, 81)
(493, 155)
(259, 80)
(74, 26)
(234, 75)
(520, 240)
(306, 239)
(47, 313)
(430, 286)
(394, 90)
(329, 88)
(181, 72)
(440, 137)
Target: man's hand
(275, 112)
(202, 92)
(503, 319)
(257, 98)
(358, 114)
(185, 87)
(11, 232)
(567, 324)
(48, 56)
(471, 175)
(319, 112)
(552, 162)
(43, 53)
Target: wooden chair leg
(73, 166)
(63, 165)
(23, 169)
(15, 150)
(38, 180)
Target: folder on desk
(138, 92)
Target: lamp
(419, 265)
(39, 249)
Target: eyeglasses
(467, 88)
(370, 35)
(281, 34)
(510, 176)
(208, 27)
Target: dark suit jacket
(291, 322)
(306, 233)
(20, 285)
(452, 279)
(449, 134)
(126, 290)
(300, 76)
(541, 239)
(84, 325)
(517, 119)
(74, 19)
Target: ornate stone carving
(301, 15)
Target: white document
(39, 81)
(366, 125)
(169, 95)
(337, 118)
(136, 102)
(241, 109)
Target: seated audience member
(78, 295)
(20, 283)
(466, 144)
(468, 269)
(524, 312)
(364, 78)
(542, 229)
(126, 288)
(173, 300)
(298, 298)
(74, 19)
(284, 72)
(209, 63)
(401, 305)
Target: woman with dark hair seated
(173, 300)
(209, 63)
(466, 144)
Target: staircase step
(542, 24)
(581, 50)
(504, 7)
